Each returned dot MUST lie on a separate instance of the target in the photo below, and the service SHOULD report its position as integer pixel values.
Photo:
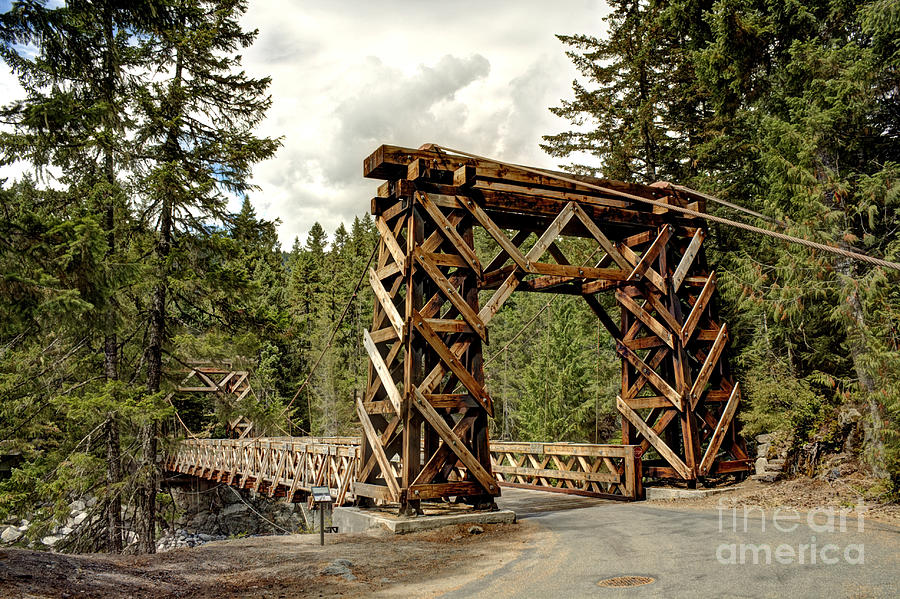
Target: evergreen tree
(643, 115)
(75, 118)
(197, 126)
(790, 110)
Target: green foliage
(791, 110)
(558, 379)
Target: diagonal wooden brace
(654, 379)
(453, 362)
(721, 428)
(450, 292)
(375, 443)
(449, 231)
(391, 243)
(387, 304)
(383, 371)
(664, 450)
(459, 448)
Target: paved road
(688, 553)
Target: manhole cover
(625, 581)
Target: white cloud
(348, 76)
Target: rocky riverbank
(197, 514)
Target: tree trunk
(856, 340)
(110, 341)
(157, 324)
(113, 478)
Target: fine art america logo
(802, 546)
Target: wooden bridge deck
(289, 466)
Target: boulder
(51, 540)
(767, 438)
(10, 534)
(761, 464)
(77, 506)
(235, 508)
(79, 518)
(339, 567)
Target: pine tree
(197, 126)
(642, 114)
(75, 117)
(791, 110)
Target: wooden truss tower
(229, 387)
(425, 411)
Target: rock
(768, 477)
(849, 416)
(77, 506)
(349, 576)
(79, 518)
(342, 561)
(761, 464)
(777, 464)
(762, 450)
(10, 534)
(65, 530)
(475, 530)
(235, 508)
(205, 537)
(335, 570)
(767, 438)
(130, 537)
(51, 540)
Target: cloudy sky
(348, 76)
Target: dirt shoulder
(420, 564)
(801, 493)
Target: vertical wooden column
(414, 365)
(474, 362)
(628, 436)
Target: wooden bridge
(289, 466)
(425, 411)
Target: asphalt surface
(689, 552)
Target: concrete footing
(664, 493)
(352, 519)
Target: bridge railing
(611, 471)
(277, 467)
(290, 466)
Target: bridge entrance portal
(425, 389)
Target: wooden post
(414, 367)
